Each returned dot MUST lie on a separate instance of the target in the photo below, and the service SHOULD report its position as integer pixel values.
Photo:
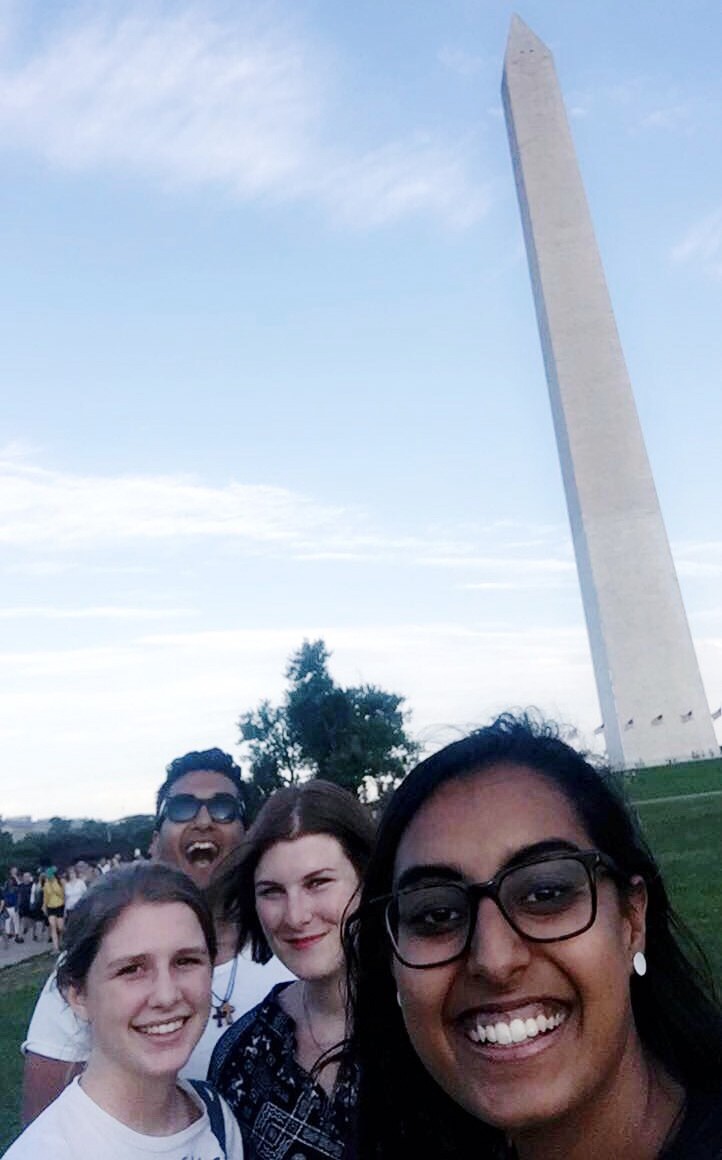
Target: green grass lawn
(19, 987)
(686, 837)
(670, 780)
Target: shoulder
(47, 1135)
(54, 1030)
(267, 1017)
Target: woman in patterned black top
(282, 1067)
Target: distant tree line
(66, 842)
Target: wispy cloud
(40, 507)
(399, 179)
(702, 244)
(190, 98)
(52, 513)
(671, 116)
(699, 559)
(100, 612)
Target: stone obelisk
(650, 690)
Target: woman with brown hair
(281, 1067)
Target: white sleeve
(54, 1030)
(41, 1138)
(234, 1141)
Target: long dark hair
(401, 1109)
(104, 902)
(313, 807)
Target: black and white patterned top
(283, 1113)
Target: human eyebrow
(433, 872)
(126, 961)
(539, 849)
(200, 951)
(436, 872)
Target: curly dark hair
(215, 760)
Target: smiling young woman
(289, 888)
(514, 955)
(136, 967)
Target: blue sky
(270, 366)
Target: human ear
(153, 847)
(634, 905)
(75, 997)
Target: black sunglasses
(184, 807)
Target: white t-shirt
(57, 1033)
(73, 1127)
(74, 890)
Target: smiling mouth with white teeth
(159, 1029)
(202, 852)
(505, 1032)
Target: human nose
(496, 951)
(203, 819)
(165, 991)
(298, 909)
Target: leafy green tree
(353, 736)
(7, 854)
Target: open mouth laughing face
(518, 1032)
(199, 846)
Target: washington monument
(650, 689)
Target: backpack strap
(213, 1104)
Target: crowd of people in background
(34, 904)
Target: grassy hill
(680, 808)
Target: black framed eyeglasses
(549, 899)
(184, 807)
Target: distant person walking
(10, 898)
(54, 905)
(74, 888)
(25, 888)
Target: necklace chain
(224, 1009)
(307, 1015)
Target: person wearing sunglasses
(519, 987)
(199, 814)
(199, 821)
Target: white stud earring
(639, 963)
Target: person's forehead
(478, 821)
(144, 926)
(290, 860)
(204, 783)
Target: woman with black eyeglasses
(518, 984)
